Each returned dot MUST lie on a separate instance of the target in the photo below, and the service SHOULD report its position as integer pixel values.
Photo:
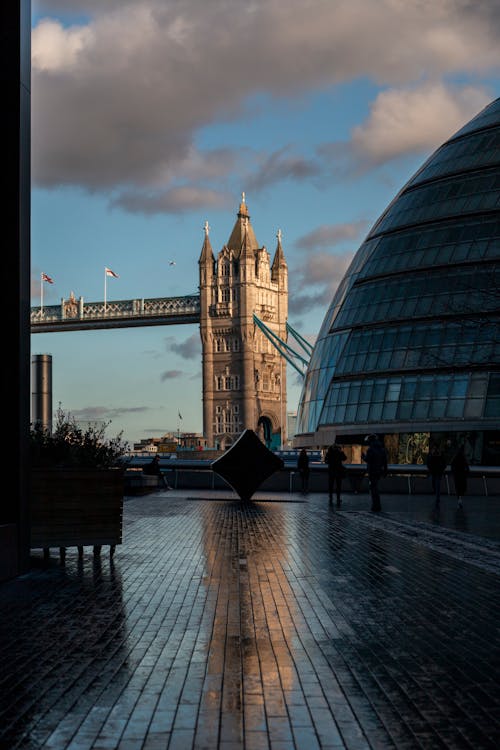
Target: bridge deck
(77, 315)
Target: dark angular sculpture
(247, 464)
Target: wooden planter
(76, 508)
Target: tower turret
(207, 274)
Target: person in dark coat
(436, 464)
(303, 469)
(153, 468)
(460, 471)
(335, 457)
(376, 462)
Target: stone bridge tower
(244, 376)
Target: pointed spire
(242, 235)
(279, 257)
(207, 254)
(243, 206)
(246, 244)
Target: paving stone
(274, 624)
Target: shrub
(70, 446)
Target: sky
(150, 117)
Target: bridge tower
(244, 376)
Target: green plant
(69, 445)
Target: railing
(75, 314)
(401, 478)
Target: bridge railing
(72, 312)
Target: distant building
(410, 345)
(149, 445)
(244, 376)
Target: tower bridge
(244, 377)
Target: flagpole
(41, 295)
(105, 274)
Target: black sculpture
(247, 464)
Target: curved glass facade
(411, 340)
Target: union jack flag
(47, 278)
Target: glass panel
(393, 390)
(362, 414)
(420, 409)
(474, 408)
(494, 385)
(455, 407)
(350, 413)
(492, 407)
(425, 388)
(339, 413)
(389, 410)
(405, 409)
(459, 387)
(409, 388)
(375, 411)
(437, 408)
(379, 390)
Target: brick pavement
(273, 625)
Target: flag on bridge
(107, 272)
(47, 278)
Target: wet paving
(278, 624)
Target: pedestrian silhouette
(460, 471)
(376, 462)
(153, 468)
(303, 469)
(336, 471)
(436, 465)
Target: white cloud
(404, 121)
(54, 48)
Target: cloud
(104, 413)
(405, 121)
(282, 165)
(57, 47)
(188, 349)
(177, 200)
(321, 271)
(331, 234)
(171, 375)
(301, 303)
(120, 94)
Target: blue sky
(150, 117)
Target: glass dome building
(410, 345)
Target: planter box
(76, 508)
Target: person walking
(303, 469)
(334, 458)
(376, 462)
(460, 471)
(436, 465)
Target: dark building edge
(15, 76)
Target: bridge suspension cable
(293, 357)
